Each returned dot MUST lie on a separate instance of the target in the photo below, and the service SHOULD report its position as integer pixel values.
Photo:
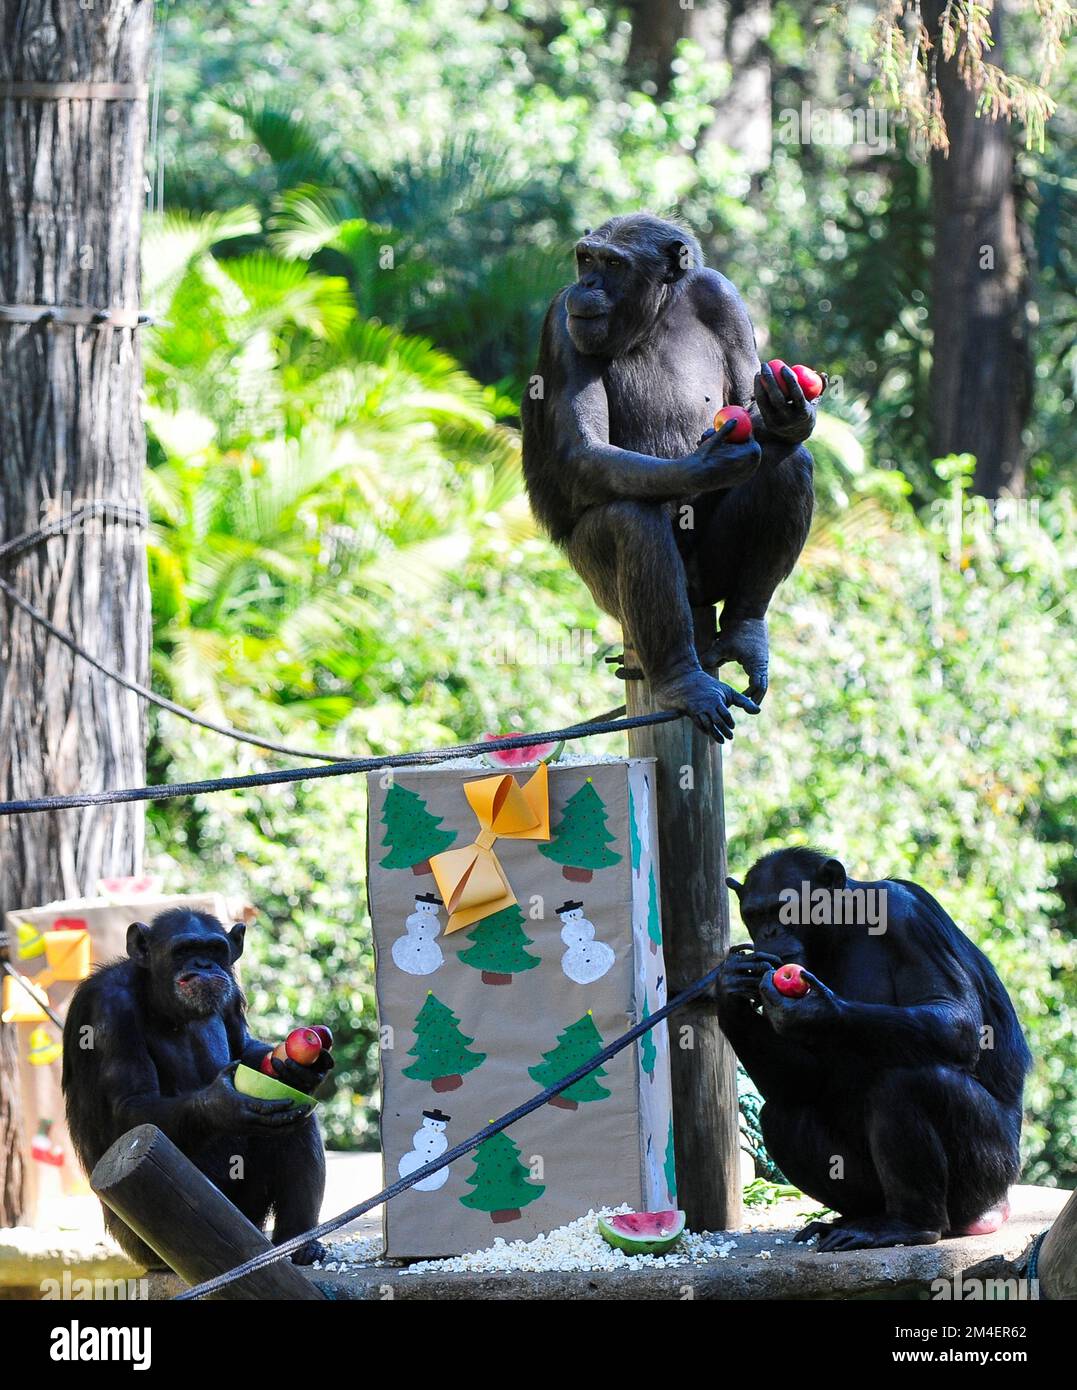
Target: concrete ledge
(759, 1268)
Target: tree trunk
(728, 31)
(981, 363)
(70, 222)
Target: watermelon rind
(634, 1244)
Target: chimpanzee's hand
(788, 416)
(743, 640)
(306, 1079)
(795, 1017)
(716, 463)
(741, 974)
(222, 1108)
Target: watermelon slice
(520, 757)
(643, 1232)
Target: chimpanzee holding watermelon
(893, 1081)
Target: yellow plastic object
(68, 954)
(19, 1007)
(44, 1048)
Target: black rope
(128, 513)
(21, 982)
(278, 1252)
(164, 791)
(150, 695)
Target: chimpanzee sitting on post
(893, 1087)
(658, 513)
(154, 1039)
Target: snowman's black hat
(428, 898)
(436, 1115)
(567, 907)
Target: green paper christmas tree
(670, 1165)
(648, 1051)
(581, 837)
(576, 1045)
(498, 950)
(502, 1184)
(634, 844)
(441, 1049)
(654, 917)
(411, 831)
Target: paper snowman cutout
(427, 1143)
(417, 952)
(586, 959)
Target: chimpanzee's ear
(832, 874)
(235, 935)
(737, 888)
(138, 947)
(680, 260)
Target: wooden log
(1057, 1265)
(695, 936)
(191, 1224)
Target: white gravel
(577, 1246)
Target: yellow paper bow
(471, 881)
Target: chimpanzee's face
(759, 909)
(614, 299)
(189, 957)
(200, 967)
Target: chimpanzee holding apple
(657, 512)
(893, 1085)
(154, 1039)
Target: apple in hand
(326, 1035)
(303, 1045)
(789, 980)
(812, 383)
(742, 427)
(266, 1065)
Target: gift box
(517, 932)
(53, 948)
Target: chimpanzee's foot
(307, 1254)
(984, 1225)
(745, 641)
(705, 701)
(866, 1233)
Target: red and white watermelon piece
(519, 757)
(643, 1232)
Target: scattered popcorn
(576, 1246)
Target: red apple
(776, 364)
(266, 1065)
(742, 428)
(789, 980)
(303, 1045)
(812, 383)
(326, 1035)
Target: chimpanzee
(154, 1039)
(893, 1087)
(656, 511)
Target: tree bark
(981, 361)
(728, 31)
(70, 222)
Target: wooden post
(1057, 1265)
(194, 1228)
(695, 936)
